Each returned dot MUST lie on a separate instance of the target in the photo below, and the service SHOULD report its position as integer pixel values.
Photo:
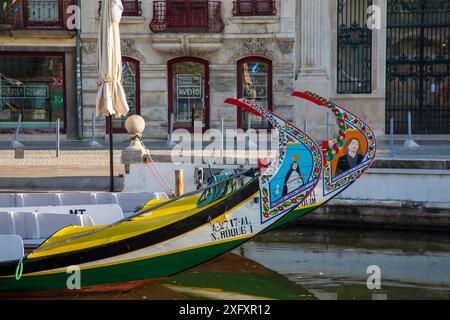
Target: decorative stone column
(313, 36)
(313, 70)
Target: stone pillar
(314, 48)
(135, 179)
(141, 175)
(312, 37)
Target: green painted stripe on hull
(153, 268)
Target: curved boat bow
(350, 156)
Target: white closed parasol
(111, 98)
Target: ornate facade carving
(286, 45)
(254, 47)
(185, 45)
(128, 49)
(89, 46)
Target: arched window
(254, 83)
(132, 86)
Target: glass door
(188, 92)
(254, 83)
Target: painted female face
(353, 147)
(295, 166)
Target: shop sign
(189, 86)
(31, 91)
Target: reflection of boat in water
(228, 277)
(169, 236)
(234, 277)
(165, 237)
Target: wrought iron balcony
(187, 16)
(35, 14)
(254, 8)
(131, 8)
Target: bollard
(410, 143)
(94, 143)
(170, 142)
(392, 137)
(15, 143)
(306, 124)
(58, 137)
(179, 183)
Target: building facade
(383, 59)
(37, 66)
(182, 59)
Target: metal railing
(187, 16)
(17, 126)
(35, 14)
(131, 8)
(254, 8)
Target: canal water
(315, 263)
(337, 264)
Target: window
(354, 45)
(32, 86)
(131, 8)
(254, 83)
(254, 8)
(35, 14)
(187, 16)
(189, 92)
(131, 86)
(44, 12)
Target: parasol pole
(111, 154)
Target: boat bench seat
(11, 248)
(126, 200)
(34, 227)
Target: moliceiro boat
(168, 236)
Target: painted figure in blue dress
(294, 177)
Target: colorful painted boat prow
(295, 172)
(351, 155)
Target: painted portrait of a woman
(352, 157)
